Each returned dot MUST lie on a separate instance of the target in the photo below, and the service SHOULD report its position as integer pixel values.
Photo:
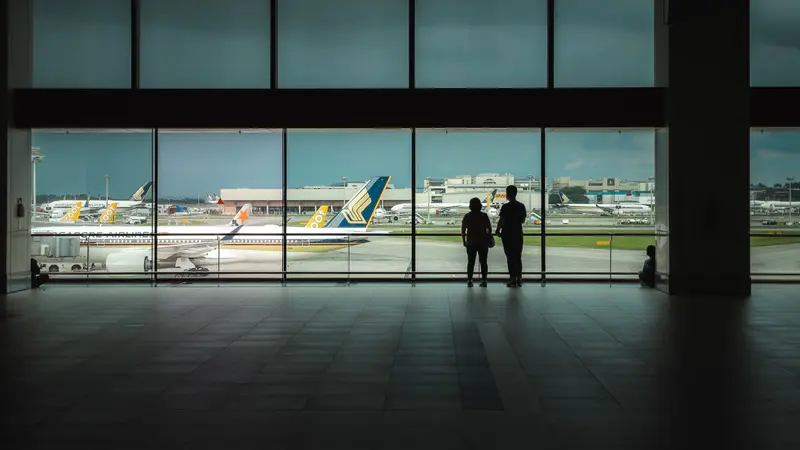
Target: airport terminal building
(458, 189)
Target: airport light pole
(36, 157)
(344, 191)
(428, 187)
(790, 180)
(108, 178)
(530, 194)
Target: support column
(17, 73)
(703, 154)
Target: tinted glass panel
(604, 43)
(342, 44)
(774, 43)
(205, 44)
(81, 44)
(775, 204)
(480, 44)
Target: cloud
(771, 153)
(572, 165)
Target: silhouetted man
(509, 228)
(648, 273)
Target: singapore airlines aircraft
(129, 248)
(135, 201)
(601, 208)
(437, 208)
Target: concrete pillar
(702, 156)
(17, 73)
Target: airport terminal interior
(239, 222)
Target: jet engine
(129, 262)
(492, 212)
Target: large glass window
(93, 202)
(342, 44)
(219, 198)
(81, 44)
(453, 167)
(774, 203)
(774, 43)
(205, 44)
(340, 185)
(604, 43)
(480, 44)
(601, 202)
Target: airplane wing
(173, 252)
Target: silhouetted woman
(476, 232)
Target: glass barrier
(383, 254)
(774, 256)
(441, 254)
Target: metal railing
(340, 257)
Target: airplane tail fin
(241, 217)
(358, 212)
(563, 197)
(73, 214)
(318, 221)
(108, 215)
(490, 197)
(142, 192)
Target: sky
(195, 163)
(774, 155)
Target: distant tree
(778, 185)
(553, 199)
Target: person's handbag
(491, 240)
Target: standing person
(509, 228)
(476, 233)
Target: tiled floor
(394, 366)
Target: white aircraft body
(135, 201)
(129, 249)
(601, 208)
(437, 208)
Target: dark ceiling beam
(420, 108)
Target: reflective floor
(395, 366)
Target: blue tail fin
(142, 192)
(357, 213)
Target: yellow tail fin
(318, 221)
(109, 214)
(73, 214)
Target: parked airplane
(74, 215)
(602, 208)
(402, 209)
(319, 218)
(192, 249)
(135, 201)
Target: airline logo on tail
(358, 212)
(564, 198)
(73, 214)
(318, 221)
(109, 213)
(490, 197)
(241, 217)
(142, 192)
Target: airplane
(128, 249)
(319, 218)
(213, 199)
(601, 208)
(135, 201)
(775, 204)
(70, 216)
(438, 208)
(74, 215)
